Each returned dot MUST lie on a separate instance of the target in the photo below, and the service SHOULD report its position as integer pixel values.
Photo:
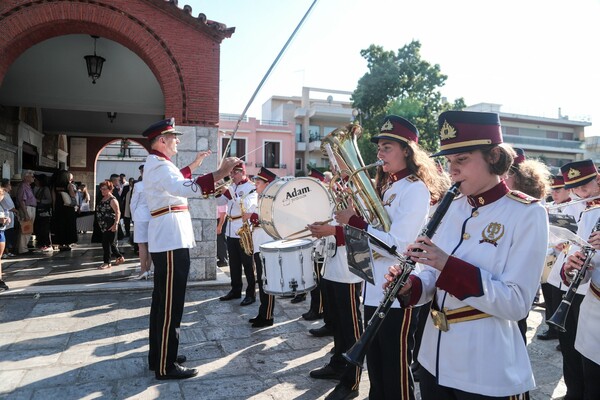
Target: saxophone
(245, 233)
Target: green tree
(404, 84)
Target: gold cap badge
(388, 126)
(573, 173)
(447, 131)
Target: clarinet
(356, 354)
(559, 318)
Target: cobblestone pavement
(89, 341)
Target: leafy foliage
(403, 84)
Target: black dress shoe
(299, 298)
(550, 334)
(230, 296)
(326, 372)
(342, 392)
(262, 322)
(253, 320)
(312, 315)
(321, 332)
(247, 301)
(180, 359)
(178, 372)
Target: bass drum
(288, 266)
(286, 207)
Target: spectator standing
(64, 219)
(8, 204)
(4, 221)
(84, 198)
(43, 216)
(26, 204)
(108, 214)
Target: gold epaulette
(412, 178)
(592, 207)
(521, 197)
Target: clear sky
(531, 56)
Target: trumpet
(559, 318)
(356, 354)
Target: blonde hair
(419, 163)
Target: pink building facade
(268, 144)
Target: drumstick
(299, 237)
(305, 229)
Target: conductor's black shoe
(321, 332)
(253, 320)
(262, 322)
(326, 372)
(312, 315)
(179, 360)
(550, 334)
(230, 296)
(178, 372)
(298, 298)
(247, 301)
(342, 392)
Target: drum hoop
(309, 244)
(279, 184)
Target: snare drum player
(481, 269)
(170, 236)
(587, 341)
(407, 182)
(259, 236)
(239, 197)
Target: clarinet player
(481, 269)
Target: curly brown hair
(531, 177)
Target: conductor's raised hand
(226, 166)
(424, 251)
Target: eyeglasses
(104, 188)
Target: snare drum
(288, 266)
(286, 207)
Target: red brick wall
(183, 55)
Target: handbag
(44, 210)
(68, 200)
(27, 227)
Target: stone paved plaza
(85, 337)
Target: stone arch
(51, 18)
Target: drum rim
(310, 243)
(268, 225)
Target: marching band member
(582, 178)
(241, 195)
(259, 236)
(482, 272)
(342, 289)
(553, 295)
(406, 179)
(531, 177)
(170, 236)
(587, 341)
